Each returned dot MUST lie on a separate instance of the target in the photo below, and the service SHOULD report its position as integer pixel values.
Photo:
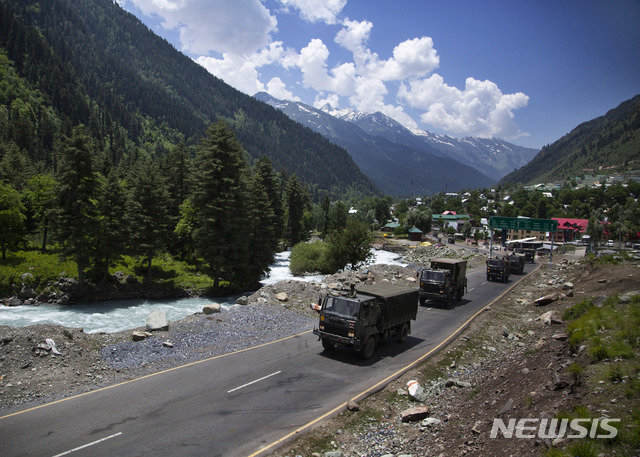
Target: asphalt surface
(232, 405)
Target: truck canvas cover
(401, 303)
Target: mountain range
(404, 162)
(602, 145)
(91, 62)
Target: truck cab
(497, 270)
(516, 263)
(445, 281)
(366, 316)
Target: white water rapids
(118, 315)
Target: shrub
(308, 258)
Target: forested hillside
(93, 63)
(612, 140)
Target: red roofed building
(569, 229)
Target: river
(118, 315)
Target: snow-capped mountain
(492, 156)
(395, 168)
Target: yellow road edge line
(153, 374)
(389, 378)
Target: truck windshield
(495, 263)
(433, 275)
(342, 306)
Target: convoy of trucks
(368, 315)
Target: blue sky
(528, 72)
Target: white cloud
(277, 88)
(241, 71)
(238, 26)
(237, 71)
(323, 98)
(481, 109)
(317, 10)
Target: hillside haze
(395, 168)
(98, 65)
(602, 145)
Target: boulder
(139, 336)
(548, 318)
(416, 392)
(27, 292)
(353, 406)
(414, 414)
(477, 427)
(567, 286)
(167, 344)
(244, 300)
(546, 299)
(430, 422)
(26, 278)
(211, 309)
(627, 296)
(157, 320)
(282, 296)
(560, 337)
(333, 454)
(13, 301)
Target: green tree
(11, 219)
(41, 192)
(338, 215)
(113, 228)
(270, 181)
(419, 218)
(296, 202)
(149, 200)
(261, 229)
(219, 203)
(326, 206)
(77, 214)
(350, 246)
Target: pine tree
(149, 200)
(41, 191)
(272, 185)
(77, 214)
(113, 229)
(11, 218)
(296, 201)
(219, 203)
(261, 237)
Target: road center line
(88, 444)
(252, 382)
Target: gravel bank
(200, 336)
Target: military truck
(366, 316)
(516, 263)
(497, 270)
(445, 281)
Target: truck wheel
(327, 345)
(403, 331)
(488, 278)
(367, 350)
(423, 301)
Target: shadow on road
(388, 348)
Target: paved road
(232, 405)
